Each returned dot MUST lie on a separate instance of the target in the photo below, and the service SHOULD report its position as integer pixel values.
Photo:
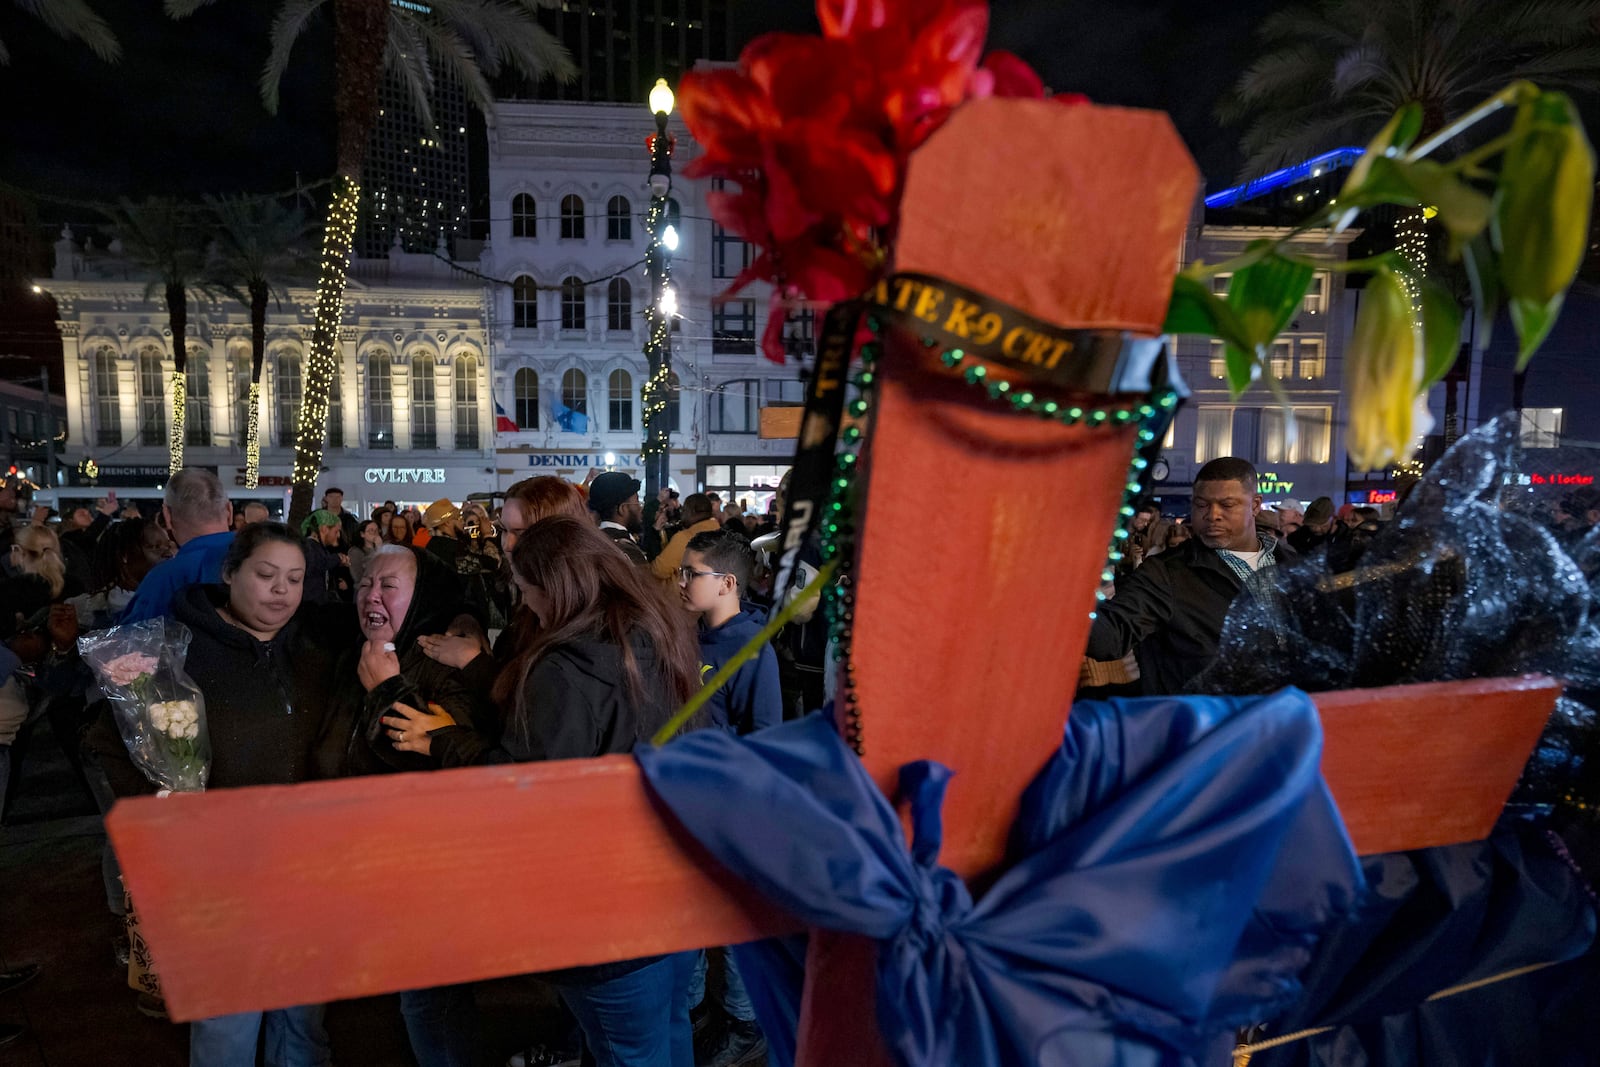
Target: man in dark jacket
(1170, 611)
(1317, 529)
(614, 498)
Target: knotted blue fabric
(1174, 865)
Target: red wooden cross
(969, 627)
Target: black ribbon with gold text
(813, 471)
(1102, 362)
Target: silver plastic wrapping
(1473, 577)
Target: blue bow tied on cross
(1178, 858)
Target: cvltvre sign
(404, 475)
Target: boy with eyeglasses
(718, 566)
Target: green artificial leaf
(1533, 322)
(1195, 309)
(1265, 296)
(1243, 368)
(1483, 274)
(1464, 211)
(1441, 332)
(1397, 135)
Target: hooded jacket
(354, 742)
(753, 698)
(267, 702)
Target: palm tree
(470, 40)
(259, 246)
(71, 19)
(1332, 72)
(164, 240)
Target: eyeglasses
(689, 574)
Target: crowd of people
(569, 622)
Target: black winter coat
(354, 741)
(574, 704)
(1170, 612)
(266, 701)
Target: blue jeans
(735, 1000)
(294, 1038)
(442, 1024)
(640, 1019)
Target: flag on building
(504, 423)
(568, 419)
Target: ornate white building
(414, 420)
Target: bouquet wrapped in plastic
(158, 709)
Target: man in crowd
(614, 498)
(1170, 611)
(197, 513)
(255, 512)
(446, 531)
(327, 568)
(1290, 519)
(333, 501)
(1317, 528)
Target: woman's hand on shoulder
(409, 728)
(453, 650)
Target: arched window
(674, 394)
(107, 406)
(336, 406)
(524, 303)
(197, 398)
(574, 413)
(380, 401)
(572, 217)
(467, 401)
(290, 390)
(572, 312)
(619, 305)
(525, 390)
(152, 404)
(619, 405)
(424, 415)
(524, 216)
(240, 359)
(619, 219)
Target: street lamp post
(663, 238)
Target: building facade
(1295, 465)
(567, 329)
(415, 180)
(413, 419)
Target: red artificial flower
(816, 132)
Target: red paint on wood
(261, 898)
(1423, 765)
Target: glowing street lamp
(663, 306)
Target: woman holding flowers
(262, 661)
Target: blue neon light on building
(1311, 168)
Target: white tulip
(192, 731)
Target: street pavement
(80, 1011)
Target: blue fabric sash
(1175, 864)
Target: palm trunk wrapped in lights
(658, 353)
(178, 319)
(311, 428)
(252, 448)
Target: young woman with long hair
(610, 662)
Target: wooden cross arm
(266, 897)
(279, 895)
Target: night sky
(181, 112)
